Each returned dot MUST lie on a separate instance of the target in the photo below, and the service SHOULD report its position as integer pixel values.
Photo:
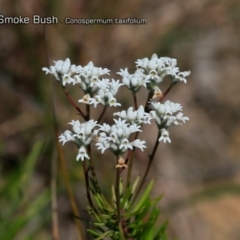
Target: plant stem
(73, 103)
(146, 108)
(129, 171)
(85, 171)
(88, 112)
(102, 113)
(87, 116)
(135, 100)
(125, 230)
(130, 153)
(118, 194)
(167, 91)
(94, 176)
(150, 161)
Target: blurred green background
(198, 173)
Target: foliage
(22, 213)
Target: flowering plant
(130, 214)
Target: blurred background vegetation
(198, 173)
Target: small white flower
(95, 100)
(155, 117)
(85, 99)
(63, 67)
(139, 116)
(66, 78)
(180, 117)
(82, 154)
(105, 128)
(133, 81)
(88, 77)
(124, 144)
(113, 102)
(114, 86)
(93, 81)
(123, 73)
(181, 76)
(119, 122)
(103, 146)
(105, 93)
(138, 143)
(66, 137)
(164, 136)
(142, 116)
(59, 69)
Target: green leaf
(157, 199)
(161, 232)
(134, 186)
(94, 233)
(113, 195)
(121, 187)
(144, 196)
(129, 193)
(19, 213)
(100, 236)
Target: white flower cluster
(151, 72)
(157, 68)
(133, 81)
(98, 90)
(139, 116)
(167, 114)
(113, 137)
(105, 94)
(88, 79)
(82, 135)
(62, 71)
(116, 137)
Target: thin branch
(129, 171)
(73, 103)
(126, 230)
(90, 152)
(94, 176)
(87, 116)
(135, 100)
(146, 108)
(167, 91)
(102, 113)
(150, 161)
(118, 194)
(85, 172)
